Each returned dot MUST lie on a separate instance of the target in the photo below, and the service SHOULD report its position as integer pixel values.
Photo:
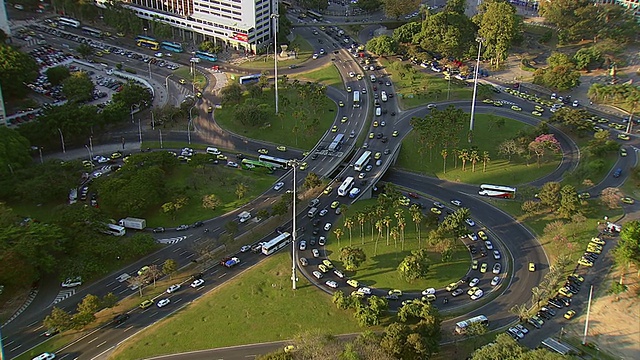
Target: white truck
(244, 216)
(133, 223)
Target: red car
(413, 195)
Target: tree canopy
(16, 70)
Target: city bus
(206, 56)
(276, 163)
(500, 191)
(461, 327)
(314, 15)
(249, 78)
(172, 46)
(362, 161)
(276, 243)
(91, 31)
(356, 99)
(115, 230)
(251, 164)
(147, 42)
(336, 144)
(346, 186)
(69, 22)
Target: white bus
(91, 31)
(383, 96)
(115, 230)
(347, 184)
(461, 327)
(274, 161)
(507, 192)
(336, 144)
(69, 22)
(276, 243)
(356, 99)
(363, 161)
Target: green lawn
(327, 75)
(486, 138)
(257, 306)
(305, 52)
(380, 269)
(185, 73)
(295, 114)
(416, 88)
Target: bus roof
(497, 187)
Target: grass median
(327, 75)
(256, 306)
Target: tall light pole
(131, 112)
(64, 150)
(160, 138)
(41, 162)
(140, 132)
(475, 89)
(89, 151)
(275, 57)
(294, 164)
(189, 125)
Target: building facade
(243, 25)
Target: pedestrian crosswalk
(174, 240)
(63, 294)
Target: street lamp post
(91, 143)
(64, 150)
(294, 164)
(40, 151)
(140, 132)
(275, 55)
(161, 147)
(131, 112)
(89, 151)
(475, 88)
(149, 63)
(189, 125)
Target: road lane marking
(92, 340)
(102, 343)
(15, 348)
(221, 276)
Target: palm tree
(455, 153)
(485, 160)
(348, 223)
(387, 223)
(537, 295)
(401, 225)
(521, 311)
(394, 235)
(444, 160)
(361, 219)
(380, 227)
(474, 158)
(416, 217)
(338, 232)
(464, 156)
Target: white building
(238, 24)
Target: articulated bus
(276, 243)
(91, 31)
(148, 42)
(206, 56)
(356, 99)
(275, 162)
(69, 22)
(362, 161)
(336, 144)
(346, 186)
(506, 192)
(461, 327)
(314, 15)
(172, 46)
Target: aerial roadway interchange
(519, 241)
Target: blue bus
(206, 56)
(172, 46)
(250, 78)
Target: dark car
(197, 276)
(119, 319)
(158, 230)
(556, 303)
(617, 173)
(197, 224)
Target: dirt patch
(12, 303)
(614, 320)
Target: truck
(133, 223)
(230, 262)
(244, 216)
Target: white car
(232, 164)
(278, 186)
(173, 288)
(470, 222)
(45, 356)
(315, 253)
(495, 281)
(245, 248)
(364, 290)
(496, 254)
(522, 329)
(332, 284)
(323, 212)
(322, 240)
(488, 244)
(197, 283)
(338, 273)
(317, 274)
(163, 303)
(72, 282)
(123, 277)
(456, 202)
(327, 226)
(431, 106)
(352, 74)
(496, 268)
(303, 245)
(473, 236)
(477, 295)
(474, 282)
(429, 291)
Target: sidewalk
(83, 153)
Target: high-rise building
(237, 24)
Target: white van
(373, 78)
(383, 96)
(378, 111)
(213, 151)
(312, 212)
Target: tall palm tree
(485, 160)
(464, 156)
(338, 232)
(348, 223)
(401, 226)
(416, 217)
(521, 311)
(444, 154)
(380, 227)
(455, 152)
(361, 220)
(474, 158)
(394, 235)
(537, 295)
(387, 224)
